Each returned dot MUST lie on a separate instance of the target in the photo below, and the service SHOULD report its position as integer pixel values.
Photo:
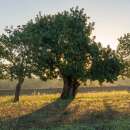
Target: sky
(111, 17)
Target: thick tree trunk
(70, 88)
(66, 87)
(18, 89)
(76, 84)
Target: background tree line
(60, 45)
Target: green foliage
(16, 53)
(62, 42)
(59, 45)
(65, 47)
(123, 51)
(106, 65)
(124, 46)
(3, 71)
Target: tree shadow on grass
(58, 113)
(106, 119)
(51, 114)
(101, 115)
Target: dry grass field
(89, 111)
(105, 107)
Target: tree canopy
(106, 66)
(59, 45)
(124, 45)
(65, 48)
(123, 51)
(17, 53)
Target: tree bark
(76, 84)
(69, 88)
(66, 87)
(18, 89)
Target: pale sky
(111, 17)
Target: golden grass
(47, 110)
(82, 105)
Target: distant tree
(1, 71)
(65, 48)
(123, 51)
(14, 44)
(124, 46)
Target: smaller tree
(123, 50)
(15, 47)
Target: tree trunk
(76, 84)
(70, 88)
(66, 87)
(18, 89)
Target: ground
(38, 84)
(89, 111)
